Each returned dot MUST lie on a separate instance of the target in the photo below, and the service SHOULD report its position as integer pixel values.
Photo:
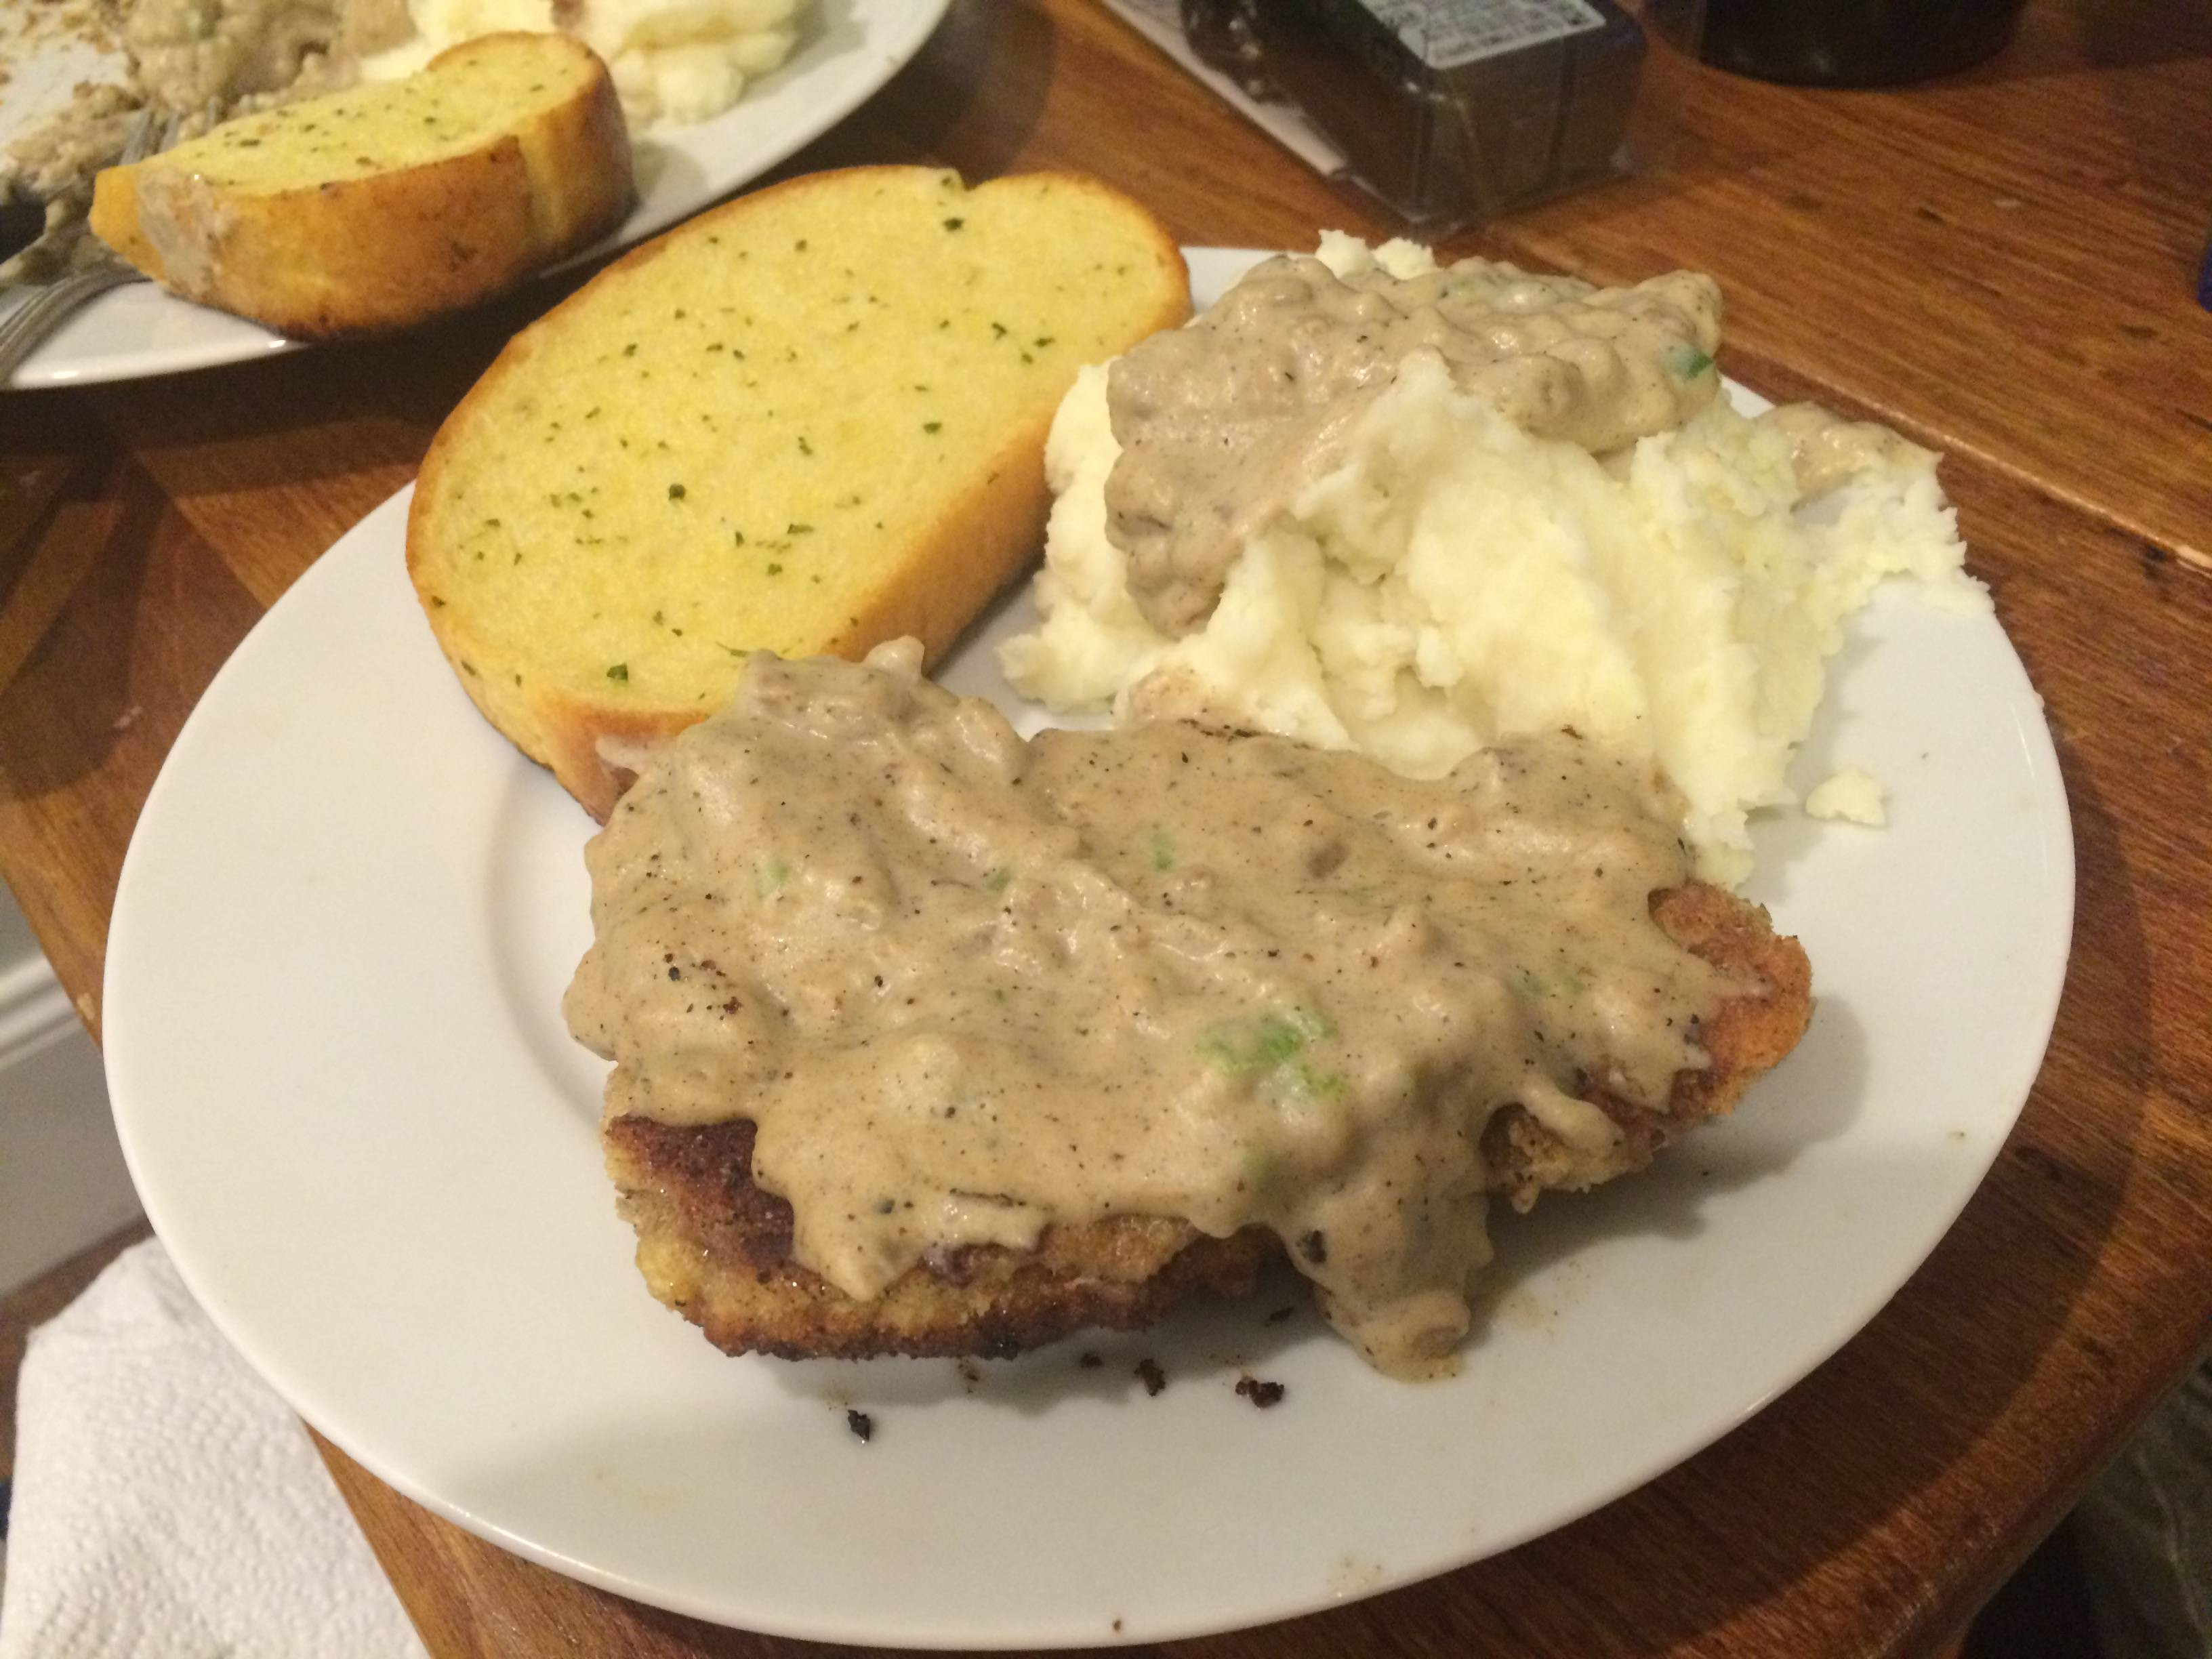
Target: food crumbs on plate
(1150, 1374)
(862, 1425)
(1090, 1362)
(1262, 1395)
(970, 1378)
(1851, 794)
(1279, 1315)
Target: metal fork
(41, 314)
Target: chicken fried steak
(717, 1248)
(929, 1040)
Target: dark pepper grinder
(1855, 42)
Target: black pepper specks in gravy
(968, 986)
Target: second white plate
(846, 50)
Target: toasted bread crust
(716, 1247)
(387, 251)
(931, 584)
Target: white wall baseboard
(62, 1183)
(34, 1010)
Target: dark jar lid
(1855, 42)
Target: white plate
(335, 1052)
(846, 50)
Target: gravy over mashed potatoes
(1368, 503)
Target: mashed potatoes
(1451, 579)
(1853, 795)
(678, 60)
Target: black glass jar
(1855, 42)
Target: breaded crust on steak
(716, 1247)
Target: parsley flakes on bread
(808, 421)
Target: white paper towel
(168, 1504)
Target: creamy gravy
(1826, 451)
(968, 986)
(189, 53)
(1223, 422)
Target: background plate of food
(714, 95)
(357, 1121)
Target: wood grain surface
(2001, 264)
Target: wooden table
(2000, 264)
